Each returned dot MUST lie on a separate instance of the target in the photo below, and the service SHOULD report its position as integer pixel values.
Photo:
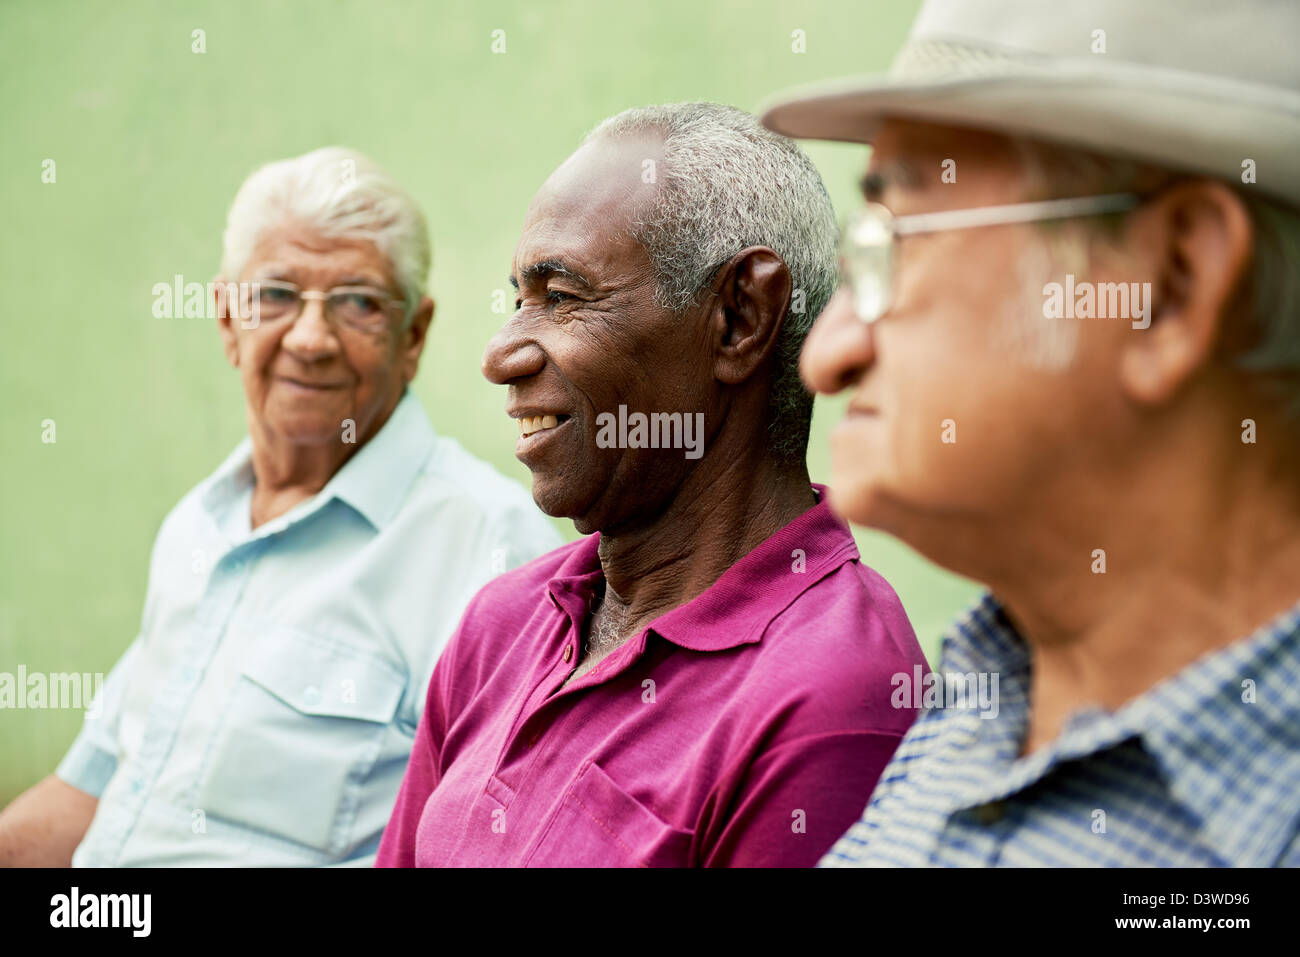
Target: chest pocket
(601, 825)
(306, 723)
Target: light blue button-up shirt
(265, 712)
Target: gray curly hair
(727, 183)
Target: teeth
(529, 424)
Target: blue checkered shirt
(1203, 769)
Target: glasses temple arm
(1015, 213)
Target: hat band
(939, 60)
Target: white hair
(1273, 296)
(338, 192)
(1268, 302)
(726, 183)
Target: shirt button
(311, 695)
(988, 814)
(568, 653)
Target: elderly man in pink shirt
(707, 678)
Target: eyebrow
(361, 281)
(538, 271)
(899, 173)
(282, 275)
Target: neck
(727, 507)
(1195, 568)
(287, 473)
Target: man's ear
(414, 338)
(225, 320)
(1201, 241)
(753, 293)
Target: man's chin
(310, 431)
(559, 499)
(552, 498)
(855, 500)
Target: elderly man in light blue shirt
(299, 596)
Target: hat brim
(1162, 117)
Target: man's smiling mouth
(532, 424)
(318, 386)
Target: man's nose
(839, 349)
(311, 336)
(510, 355)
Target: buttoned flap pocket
(326, 679)
(599, 824)
(306, 722)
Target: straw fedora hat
(1197, 85)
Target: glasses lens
(359, 307)
(866, 259)
(272, 302)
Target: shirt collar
(374, 481)
(737, 608)
(1227, 748)
(1224, 732)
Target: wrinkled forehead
(586, 209)
(300, 253)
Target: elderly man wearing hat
(1069, 322)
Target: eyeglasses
(363, 308)
(870, 233)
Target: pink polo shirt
(744, 728)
